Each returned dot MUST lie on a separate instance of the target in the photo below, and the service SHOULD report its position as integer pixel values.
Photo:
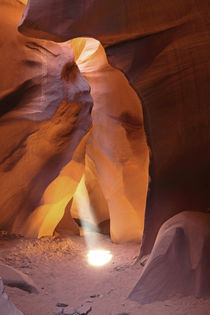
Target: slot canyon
(105, 157)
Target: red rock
(45, 108)
(116, 166)
(163, 48)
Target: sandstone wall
(163, 48)
(116, 164)
(45, 106)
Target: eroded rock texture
(163, 48)
(116, 163)
(45, 109)
(179, 261)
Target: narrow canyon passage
(114, 170)
(105, 184)
(104, 157)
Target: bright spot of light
(99, 257)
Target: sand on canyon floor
(60, 270)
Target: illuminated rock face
(116, 166)
(45, 112)
(45, 106)
(163, 48)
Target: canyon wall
(163, 49)
(116, 167)
(61, 169)
(45, 107)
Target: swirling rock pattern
(45, 106)
(163, 48)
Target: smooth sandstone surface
(15, 278)
(117, 157)
(42, 126)
(51, 160)
(179, 261)
(163, 48)
(45, 106)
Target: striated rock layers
(163, 48)
(116, 163)
(45, 112)
(45, 106)
(179, 261)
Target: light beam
(99, 257)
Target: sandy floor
(60, 269)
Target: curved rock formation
(179, 261)
(15, 278)
(116, 166)
(6, 306)
(163, 48)
(45, 106)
